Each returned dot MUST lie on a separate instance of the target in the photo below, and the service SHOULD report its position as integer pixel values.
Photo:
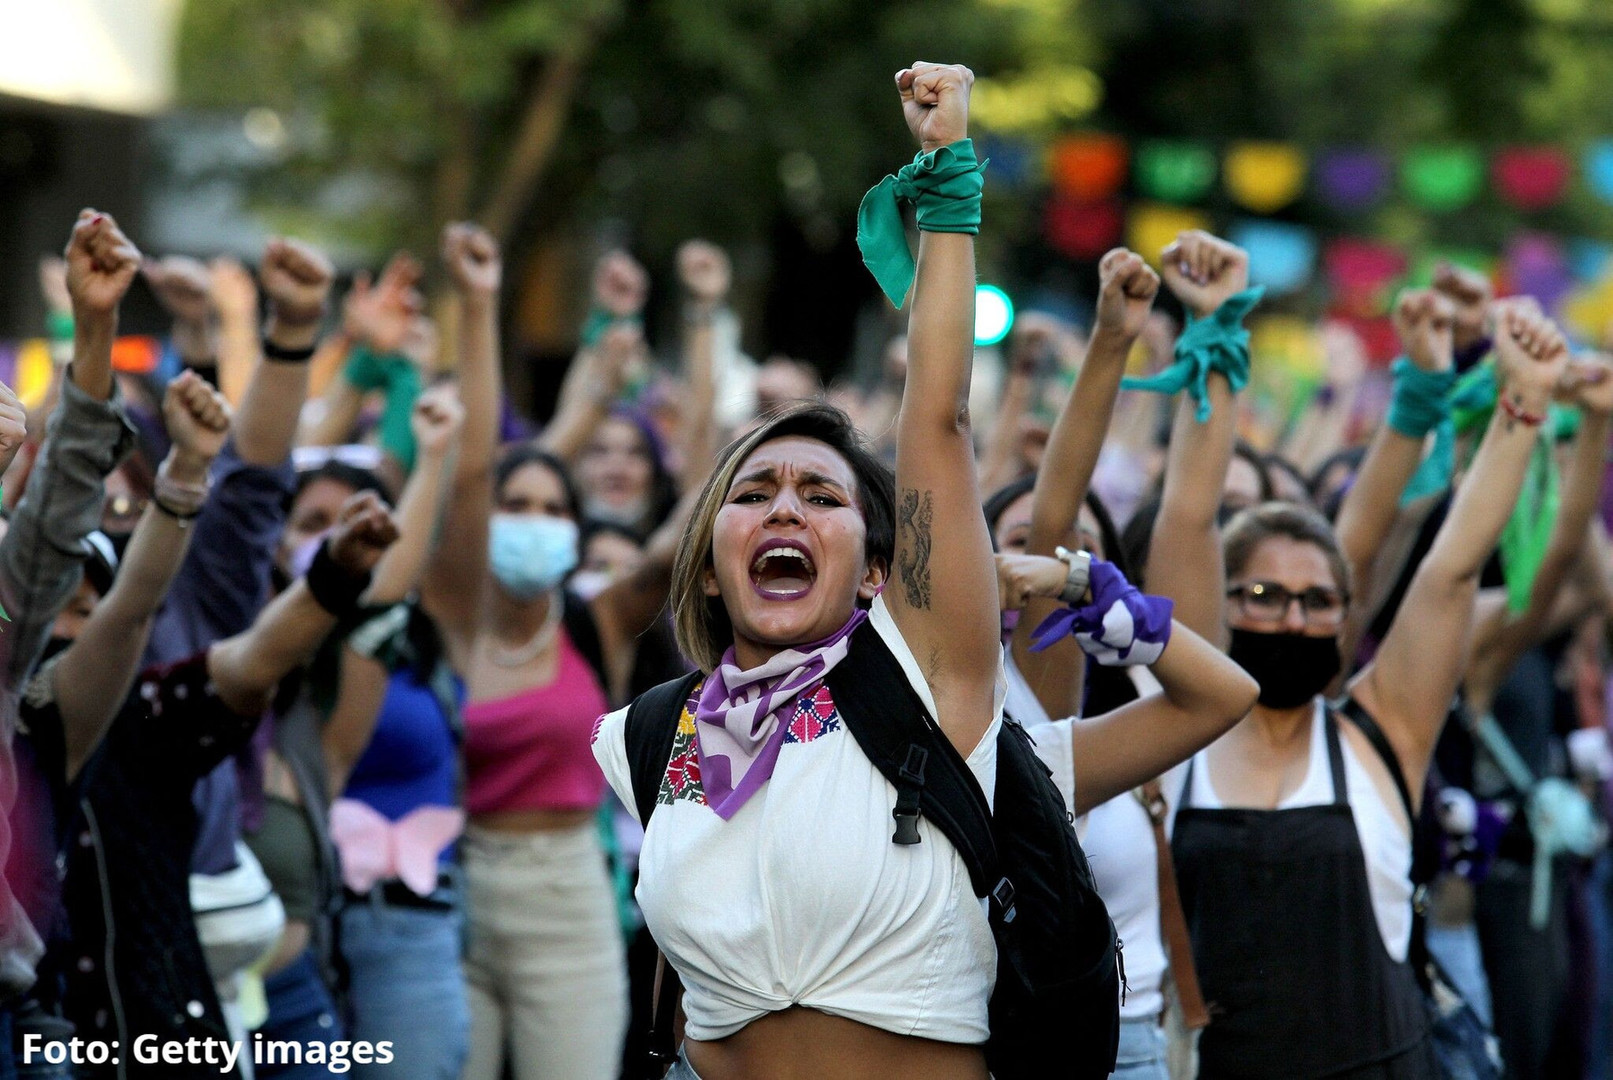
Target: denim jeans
(1142, 1051)
(1457, 950)
(407, 986)
(681, 1069)
(301, 1011)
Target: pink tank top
(530, 751)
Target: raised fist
(101, 264)
(364, 530)
(1204, 270)
(181, 286)
(1531, 352)
(473, 261)
(935, 101)
(197, 418)
(613, 357)
(1469, 293)
(1424, 320)
(1587, 381)
(704, 271)
(1040, 341)
(620, 284)
(380, 315)
(419, 345)
(438, 416)
(13, 426)
(1023, 577)
(231, 289)
(1126, 290)
(297, 278)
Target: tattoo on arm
(913, 546)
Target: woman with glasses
(1292, 848)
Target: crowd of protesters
(326, 682)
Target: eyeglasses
(1268, 602)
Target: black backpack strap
(890, 723)
(1380, 742)
(652, 724)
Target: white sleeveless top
(1118, 840)
(801, 898)
(1385, 841)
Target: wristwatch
(1075, 585)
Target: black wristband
(279, 355)
(183, 519)
(333, 588)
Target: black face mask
(1290, 668)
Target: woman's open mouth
(782, 570)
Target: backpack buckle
(1002, 901)
(906, 811)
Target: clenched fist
(1469, 293)
(198, 422)
(181, 286)
(1531, 353)
(101, 265)
(1020, 578)
(364, 530)
(233, 293)
(1588, 382)
(620, 284)
(1126, 290)
(704, 271)
(473, 261)
(935, 101)
(1204, 270)
(297, 279)
(438, 416)
(1424, 319)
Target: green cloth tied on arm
(1527, 533)
(1216, 343)
(944, 187)
(399, 381)
(1421, 398)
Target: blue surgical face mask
(531, 553)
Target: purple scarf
(740, 718)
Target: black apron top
(1292, 964)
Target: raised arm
(438, 418)
(1408, 686)
(594, 381)
(181, 285)
(247, 668)
(87, 436)
(297, 280)
(93, 675)
(944, 593)
(1184, 556)
(1125, 296)
(456, 576)
(1203, 692)
(1423, 319)
(705, 273)
(1500, 640)
(234, 296)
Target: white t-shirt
(1385, 841)
(1119, 843)
(801, 898)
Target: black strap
(578, 619)
(651, 727)
(661, 1043)
(1335, 761)
(894, 730)
(1380, 742)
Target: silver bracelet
(1080, 576)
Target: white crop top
(1385, 841)
(801, 898)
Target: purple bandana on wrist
(1121, 627)
(738, 721)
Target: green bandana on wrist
(944, 187)
(1421, 398)
(1217, 343)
